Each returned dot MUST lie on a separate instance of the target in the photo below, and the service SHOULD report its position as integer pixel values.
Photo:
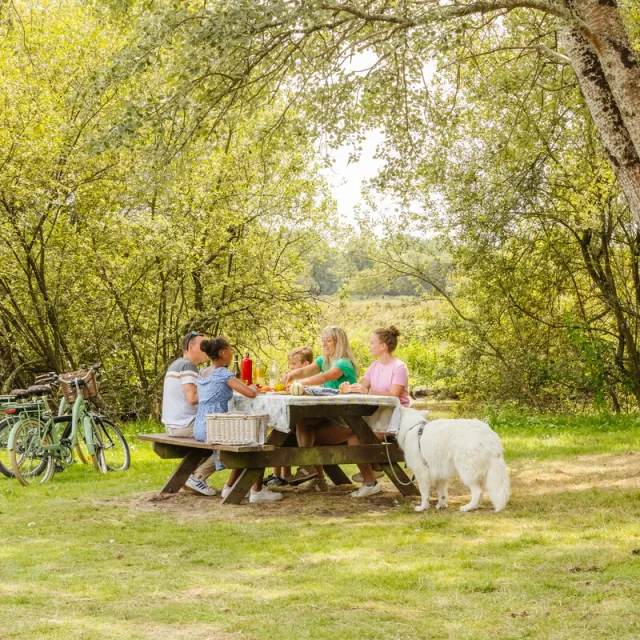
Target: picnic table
(363, 413)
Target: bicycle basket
(68, 388)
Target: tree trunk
(610, 39)
(606, 115)
(603, 278)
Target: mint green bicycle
(52, 440)
(33, 401)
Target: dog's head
(409, 418)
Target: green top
(345, 365)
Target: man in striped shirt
(180, 404)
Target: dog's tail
(497, 483)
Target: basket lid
(237, 415)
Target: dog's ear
(424, 413)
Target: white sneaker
(226, 490)
(199, 486)
(357, 477)
(264, 496)
(367, 490)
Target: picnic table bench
(280, 447)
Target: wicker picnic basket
(68, 388)
(236, 428)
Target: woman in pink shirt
(387, 376)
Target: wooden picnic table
(280, 447)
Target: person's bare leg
(306, 437)
(305, 434)
(365, 468)
(328, 433)
(233, 477)
(368, 476)
(235, 474)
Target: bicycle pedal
(59, 468)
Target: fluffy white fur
(466, 447)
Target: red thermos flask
(247, 370)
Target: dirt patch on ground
(337, 503)
(580, 473)
(531, 478)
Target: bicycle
(34, 442)
(31, 401)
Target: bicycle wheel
(28, 460)
(82, 453)
(97, 458)
(113, 448)
(5, 460)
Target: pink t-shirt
(382, 377)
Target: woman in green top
(335, 366)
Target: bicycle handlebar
(56, 377)
(46, 376)
(90, 370)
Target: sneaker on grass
(226, 490)
(199, 486)
(264, 495)
(276, 481)
(367, 490)
(302, 475)
(357, 477)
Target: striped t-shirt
(176, 411)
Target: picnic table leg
(336, 474)
(242, 485)
(249, 476)
(393, 471)
(400, 479)
(188, 465)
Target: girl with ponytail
(387, 376)
(216, 385)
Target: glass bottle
(274, 374)
(260, 376)
(235, 369)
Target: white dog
(439, 449)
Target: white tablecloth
(385, 419)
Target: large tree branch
(441, 13)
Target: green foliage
(123, 227)
(497, 162)
(160, 173)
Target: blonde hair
(342, 347)
(301, 354)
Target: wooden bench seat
(192, 443)
(281, 450)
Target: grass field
(98, 557)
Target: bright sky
(347, 180)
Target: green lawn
(97, 557)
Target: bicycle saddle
(19, 393)
(39, 390)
